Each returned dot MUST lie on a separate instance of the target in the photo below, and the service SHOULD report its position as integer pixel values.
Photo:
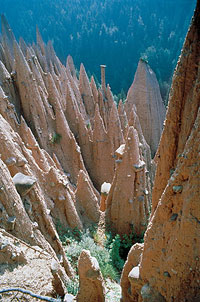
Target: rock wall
(128, 202)
(130, 281)
(92, 286)
(145, 94)
(170, 268)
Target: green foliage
(110, 252)
(75, 241)
(139, 238)
(67, 235)
(88, 125)
(144, 59)
(120, 246)
(113, 293)
(100, 253)
(120, 96)
(77, 73)
(55, 138)
(117, 261)
(127, 241)
(73, 286)
(109, 32)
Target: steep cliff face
(92, 286)
(36, 207)
(170, 266)
(130, 290)
(128, 204)
(145, 94)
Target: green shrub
(102, 255)
(73, 286)
(88, 125)
(108, 271)
(55, 138)
(67, 235)
(110, 252)
(120, 246)
(117, 261)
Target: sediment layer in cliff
(169, 269)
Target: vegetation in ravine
(110, 252)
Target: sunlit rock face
(128, 202)
(145, 94)
(92, 286)
(169, 269)
(130, 279)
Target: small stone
(23, 183)
(141, 198)
(148, 293)
(27, 206)
(61, 197)
(139, 167)
(118, 161)
(134, 273)
(13, 256)
(166, 274)
(174, 217)
(2, 209)
(4, 245)
(54, 266)
(120, 150)
(35, 225)
(21, 162)
(10, 161)
(173, 271)
(11, 223)
(105, 188)
(30, 151)
(177, 189)
(69, 298)
(60, 258)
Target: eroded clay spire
(103, 79)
